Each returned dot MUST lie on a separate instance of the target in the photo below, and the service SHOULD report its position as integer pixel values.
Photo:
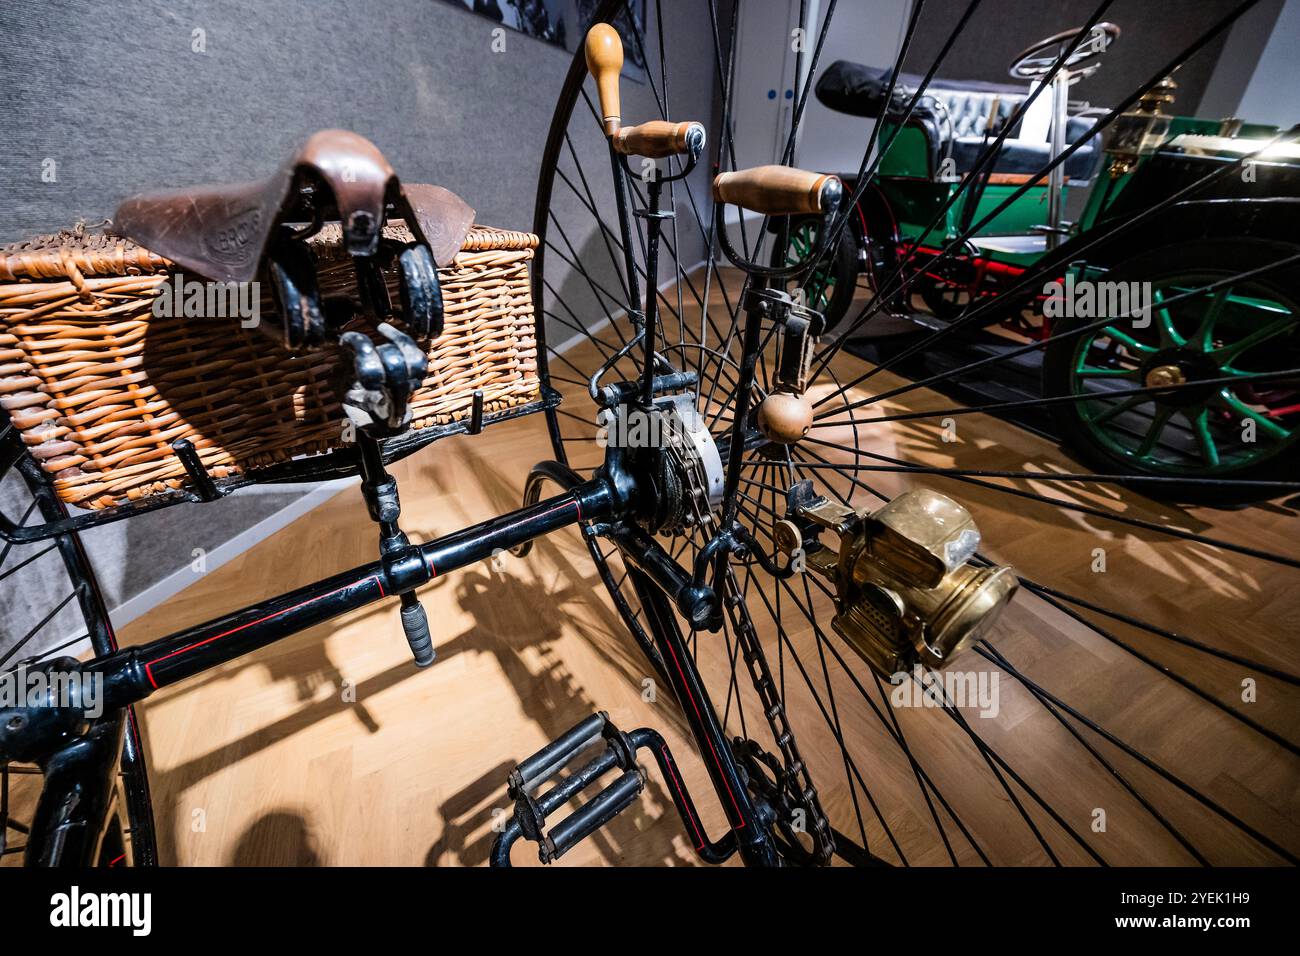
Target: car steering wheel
(1036, 62)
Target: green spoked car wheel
(1241, 423)
(829, 289)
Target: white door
(763, 100)
(864, 31)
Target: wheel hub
(1179, 370)
(1163, 375)
(681, 465)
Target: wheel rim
(1232, 335)
(66, 615)
(818, 677)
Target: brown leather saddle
(245, 231)
(258, 231)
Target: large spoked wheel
(1108, 715)
(1236, 428)
(53, 608)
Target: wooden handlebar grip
(605, 62)
(773, 190)
(658, 139)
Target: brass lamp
(906, 592)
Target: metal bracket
(386, 377)
(204, 486)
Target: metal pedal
(532, 809)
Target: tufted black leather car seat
(954, 115)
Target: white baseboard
(154, 595)
(578, 337)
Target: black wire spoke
(1043, 343)
(1177, 678)
(1155, 526)
(851, 772)
(1044, 591)
(1112, 770)
(22, 642)
(26, 561)
(733, 686)
(994, 760)
(577, 418)
(598, 290)
(71, 642)
(568, 381)
(924, 782)
(806, 610)
(894, 731)
(1050, 265)
(812, 691)
(672, 186)
(607, 349)
(9, 545)
(1153, 391)
(1086, 478)
(589, 200)
(985, 650)
(623, 341)
(1097, 127)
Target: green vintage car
(1174, 205)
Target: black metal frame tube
(134, 673)
(753, 839)
(710, 851)
(77, 799)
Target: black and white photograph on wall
(551, 20)
(630, 24)
(543, 19)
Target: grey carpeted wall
(118, 97)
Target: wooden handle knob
(605, 63)
(784, 417)
(774, 190)
(658, 138)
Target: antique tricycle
(793, 607)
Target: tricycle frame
(76, 814)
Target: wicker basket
(100, 387)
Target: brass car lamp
(906, 592)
